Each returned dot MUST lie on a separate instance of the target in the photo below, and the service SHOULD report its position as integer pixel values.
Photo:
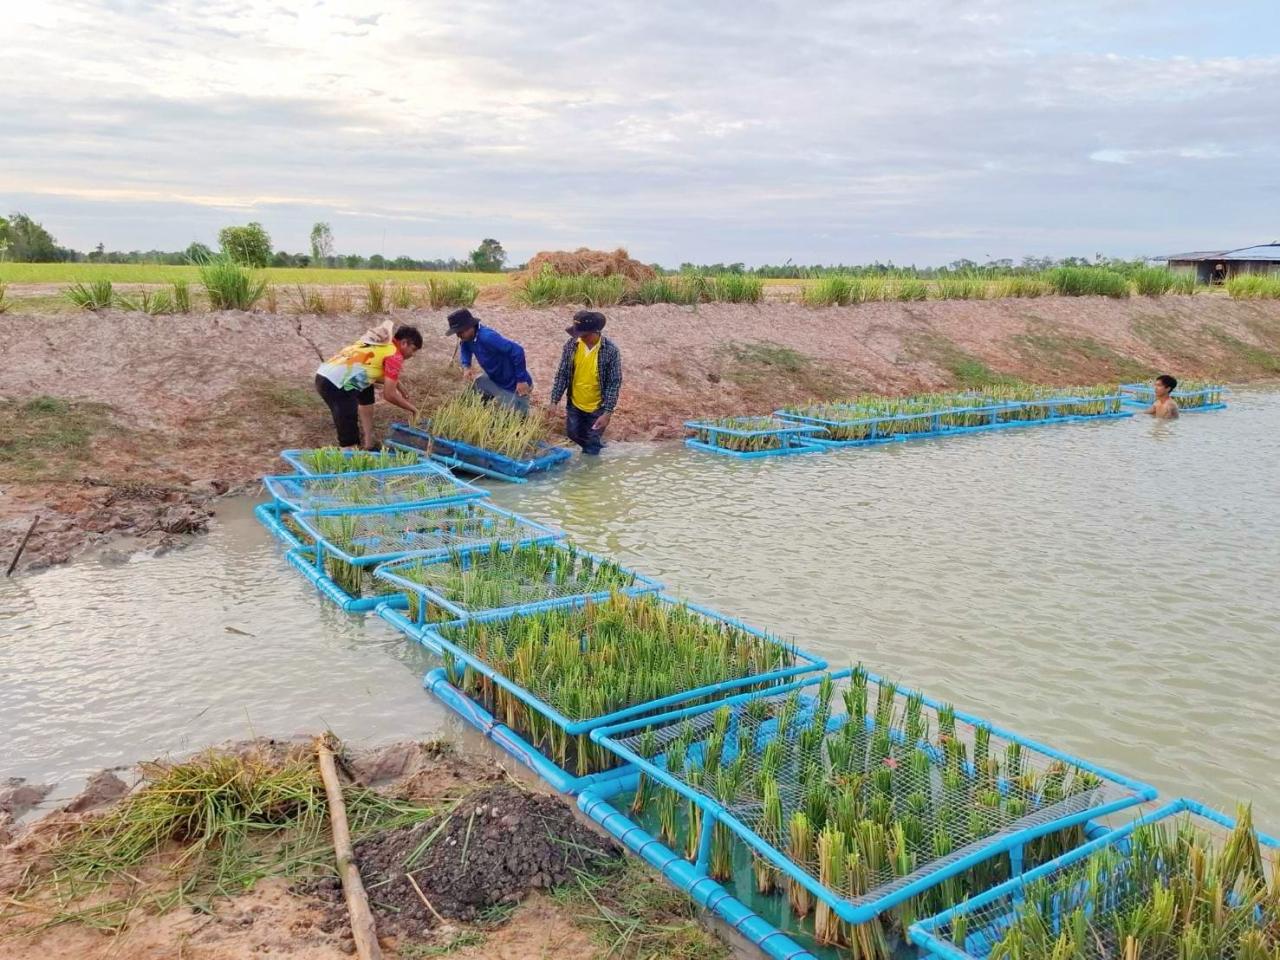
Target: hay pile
(587, 262)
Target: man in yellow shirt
(590, 373)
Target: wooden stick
(418, 890)
(22, 546)
(363, 931)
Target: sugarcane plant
(597, 657)
(505, 575)
(1178, 890)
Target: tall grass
(1254, 286)
(450, 293)
(375, 300)
(1153, 281)
(1021, 288)
(961, 288)
(402, 297)
(665, 290)
(4, 304)
(181, 297)
(737, 288)
(549, 289)
(1184, 284)
(229, 285)
(96, 295)
(1088, 282)
(909, 289)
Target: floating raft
(1190, 401)
(751, 438)
(387, 459)
(395, 488)
(463, 456)
(1089, 891)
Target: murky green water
(1107, 588)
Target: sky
(917, 131)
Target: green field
(156, 273)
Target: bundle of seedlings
(863, 788)
(470, 418)
(207, 827)
(502, 575)
(1189, 394)
(338, 460)
(591, 660)
(354, 490)
(1177, 891)
(746, 434)
(1081, 401)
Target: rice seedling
(503, 575)
(342, 530)
(470, 419)
(182, 296)
(1180, 889)
(375, 300)
(402, 297)
(96, 295)
(1153, 281)
(596, 658)
(450, 293)
(1190, 394)
(337, 460)
(747, 434)
(1088, 282)
(864, 798)
(230, 818)
(229, 285)
(1254, 286)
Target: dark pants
(343, 405)
(580, 427)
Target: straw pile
(587, 262)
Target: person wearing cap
(346, 380)
(590, 373)
(503, 375)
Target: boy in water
(1165, 407)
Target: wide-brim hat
(586, 321)
(460, 320)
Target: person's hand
(602, 423)
(468, 373)
(523, 389)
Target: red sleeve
(391, 366)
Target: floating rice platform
(397, 488)
(1189, 401)
(931, 803)
(464, 456)
(1097, 895)
(302, 459)
(751, 438)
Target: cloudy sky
(918, 130)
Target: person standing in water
(1165, 407)
(590, 372)
(346, 381)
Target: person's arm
(465, 354)
(392, 393)
(563, 373)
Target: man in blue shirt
(504, 376)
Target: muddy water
(1107, 588)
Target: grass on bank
(1254, 286)
(159, 273)
(48, 436)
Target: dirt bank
(513, 874)
(120, 423)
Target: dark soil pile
(492, 848)
(591, 263)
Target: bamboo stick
(363, 931)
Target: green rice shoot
(470, 418)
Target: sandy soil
(187, 407)
(278, 918)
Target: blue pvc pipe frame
(1144, 394)
(689, 878)
(439, 644)
(485, 462)
(923, 932)
(536, 533)
(1011, 843)
(294, 458)
(278, 486)
(792, 437)
(388, 572)
(269, 516)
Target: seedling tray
(427, 484)
(463, 455)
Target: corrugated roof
(1262, 251)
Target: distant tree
(377, 262)
(249, 245)
(29, 242)
(197, 252)
(97, 253)
(488, 257)
(4, 237)
(321, 242)
(352, 261)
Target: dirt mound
(592, 263)
(494, 847)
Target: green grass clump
(472, 419)
(450, 293)
(829, 292)
(4, 304)
(1178, 891)
(666, 290)
(503, 576)
(549, 289)
(907, 289)
(96, 295)
(736, 288)
(961, 288)
(1254, 286)
(229, 285)
(375, 300)
(337, 460)
(1154, 281)
(592, 660)
(1021, 287)
(1088, 282)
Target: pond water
(1106, 588)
